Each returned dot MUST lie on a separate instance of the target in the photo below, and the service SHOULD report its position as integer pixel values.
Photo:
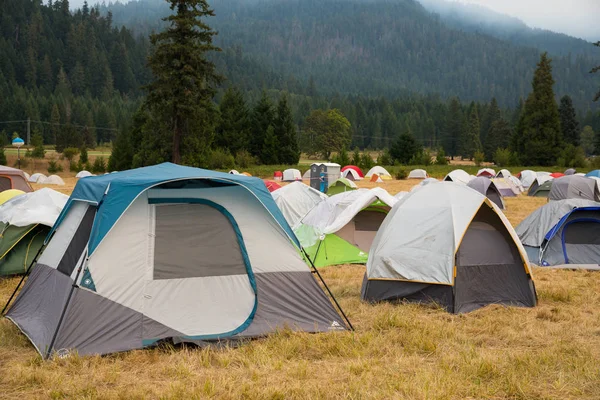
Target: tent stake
(64, 311)
(328, 290)
(22, 280)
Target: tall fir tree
(498, 137)
(233, 130)
(471, 143)
(285, 131)
(453, 128)
(539, 137)
(568, 121)
(184, 80)
(270, 149)
(492, 114)
(593, 71)
(263, 116)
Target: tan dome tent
(487, 188)
(563, 233)
(503, 173)
(574, 187)
(418, 174)
(448, 244)
(12, 178)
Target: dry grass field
(403, 351)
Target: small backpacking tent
(24, 224)
(376, 178)
(340, 230)
(35, 177)
(85, 174)
(340, 186)
(417, 174)
(593, 174)
(451, 245)
(291, 175)
(516, 184)
(486, 172)
(505, 187)
(537, 182)
(574, 187)
(168, 252)
(542, 190)
(12, 178)
(380, 171)
(527, 177)
(51, 180)
(354, 168)
(503, 173)
(351, 175)
(563, 232)
(234, 172)
(571, 171)
(272, 185)
(9, 194)
(557, 174)
(296, 200)
(458, 176)
(277, 175)
(487, 188)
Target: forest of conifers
(390, 67)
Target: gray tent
(451, 245)
(574, 187)
(570, 171)
(563, 232)
(487, 188)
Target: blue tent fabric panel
(560, 223)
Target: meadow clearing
(403, 351)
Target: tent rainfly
(487, 172)
(357, 170)
(24, 224)
(351, 174)
(458, 176)
(168, 252)
(574, 187)
(340, 186)
(563, 233)
(537, 182)
(291, 175)
(340, 230)
(451, 245)
(296, 200)
(12, 178)
(503, 173)
(487, 188)
(527, 177)
(380, 171)
(418, 174)
(557, 174)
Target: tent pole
(328, 290)
(22, 279)
(64, 311)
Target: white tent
(27, 176)
(516, 183)
(51, 180)
(450, 244)
(458, 176)
(36, 177)
(234, 172)
(487, 172)
(83, 174)
(506, 187)
(417, 174)
(543, 173)
(40, 207)
(380, 171)
(306, 175)
(296, 200)
(527, 177)
(400, 195)
(291, 174)
(351, 174)
(503, 173)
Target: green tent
(340, 186)
(543, 190)
(19, 245)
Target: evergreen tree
(55, 127)
(285, 131)
(453, 129)
(38, 146)
(593, 71)
(263, 116)
(568, 121)
(588, 138)
(356, 156)
(471, 143)
(539, 137)
(233, 131)
(405, 148)
(491, 116)
(83, 156)
(499, 137)
(184, 80)
(121, 158)
(269, 154)
(2, 156)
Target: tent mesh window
(5, 183)
(77, 245)
(195, 240)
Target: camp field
(403, 351)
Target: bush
(479, 157)
(422, 158)
(24, 163)
(384, 158)
(401, 174)
(99, 166)
(54, 167)
(220, 159)
(75, 167)
(83, 155)
(572, 157)
(70, 153)
(502, 157)
(440, 158)
(356, 156)
(38, 146)
(366, 162)
(244, 159)
(2, 156)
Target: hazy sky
(578, 18)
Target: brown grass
(402, 351)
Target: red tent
(278, 175)
(557, 174)
(355, 168)
(272, 185)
